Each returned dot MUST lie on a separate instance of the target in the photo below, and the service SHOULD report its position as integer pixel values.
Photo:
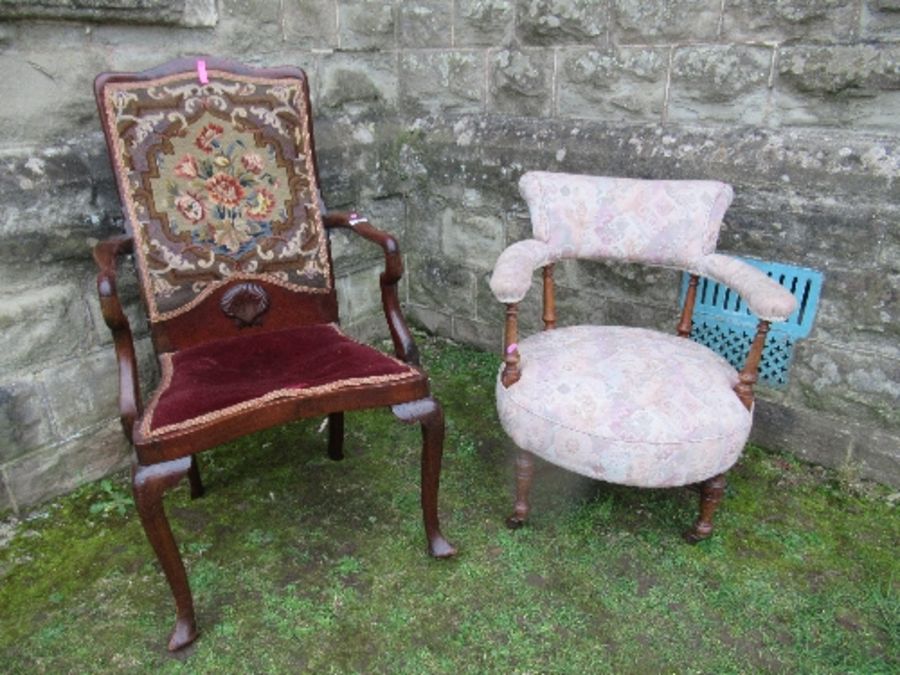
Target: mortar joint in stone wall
(770, 83)
(609, 17)
(487, 79)
(857, 25)
(45, 402)
(720, 25)
(554, 84)
(664, 115)
(337, 24)
(453, 23)
(9, 492)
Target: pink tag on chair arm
(512, 348)
(202, 75)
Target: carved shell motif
(245, 303)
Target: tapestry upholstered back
(217, 175)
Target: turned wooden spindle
(549, 298)
(511, 373)
(748, 375)
(524, 476)
(712, 491)
(687, 314)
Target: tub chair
(621, 404)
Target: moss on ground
(302, 564)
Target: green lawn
(303, 564)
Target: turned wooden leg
(524, 474)
(711, 493)
(336, 436)
(150, 484)
(429, 413)
(194, 479)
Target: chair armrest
(404, 345)
(106, 254)
(393, 263)
(514, 268)
(765, 297)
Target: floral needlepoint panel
(221, 185)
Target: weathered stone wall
(427, 112)
(795, 103)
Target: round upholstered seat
(625, 405)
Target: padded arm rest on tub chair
(512, 273)
(764, 296)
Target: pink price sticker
(513, 347)
(202, 75)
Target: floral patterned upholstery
(218, 183)
(625, 405)
(658, 222)
(667, 223)
(513, 271)
(765, 298)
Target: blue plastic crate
(723, 323)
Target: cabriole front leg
(429, 413)
(150, 484)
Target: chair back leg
(194, 479)
(336, 436)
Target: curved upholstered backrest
(215, 166)
(659, 222)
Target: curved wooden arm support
(687, 314)
(404, 344)
(511, 372)
(749, 373)
(106, 254)
(549, 315)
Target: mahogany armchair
(621, 404)
(216, 169)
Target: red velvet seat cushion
(213, 380)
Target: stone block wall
(795, 103)
(427, 112)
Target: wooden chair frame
(162, 462)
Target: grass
(300, 564)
